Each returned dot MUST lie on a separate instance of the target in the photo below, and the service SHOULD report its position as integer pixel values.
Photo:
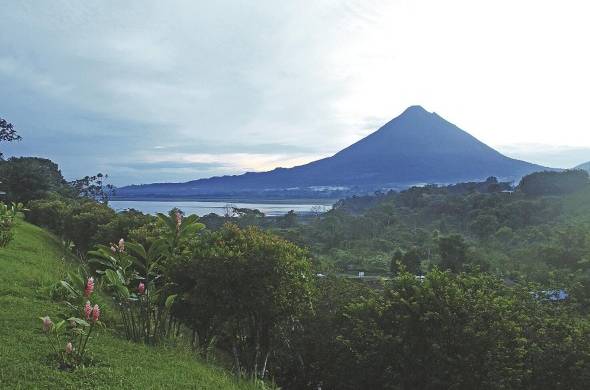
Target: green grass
(29, 266)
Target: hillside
(585, 166)
(28, 267)
(415, 147)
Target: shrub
(8, 215)
(49, 213)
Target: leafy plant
(136, 280)
(69, 337)
(8, 216)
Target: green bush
(8, 216)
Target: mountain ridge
(415, 147)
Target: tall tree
(7, 133)
(94, 187)
(453, 252)
(29, 178)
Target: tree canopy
(8, 133)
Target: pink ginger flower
(69, 348)
(113, 249)
(121, 245)
(95, 313)
(141, 288)
(87, 310)
(47, 324)
(89, 287)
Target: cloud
(175, 165)
(556, 156)
(109, 81)
(229, 147)
(117, 86)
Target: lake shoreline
(310, 201)
(219, 207)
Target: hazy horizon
(151, 92)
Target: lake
(201, 208)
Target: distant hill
(585, 166)
(415, 147)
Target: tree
(466, 331)
(566, 247)
(29, 178)
(121, 225)
(554, 183)
(453, 252)
(411, 260)
(228, 210)
(406, 262)
(504, 234)
(93, 187)
(317, 210)
(244, 287)
(288, 220)
(83, 222)
(396, 261)
(248, 217)
(484, 225)
(7, 133)
(314, 353)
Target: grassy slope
(28, 266)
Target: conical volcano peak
(414, 119)
(415, 110)
(417, 146)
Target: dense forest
(475, 285)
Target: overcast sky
(177, 90)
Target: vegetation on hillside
(31, 265)
(481, 285)
(514, 234)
